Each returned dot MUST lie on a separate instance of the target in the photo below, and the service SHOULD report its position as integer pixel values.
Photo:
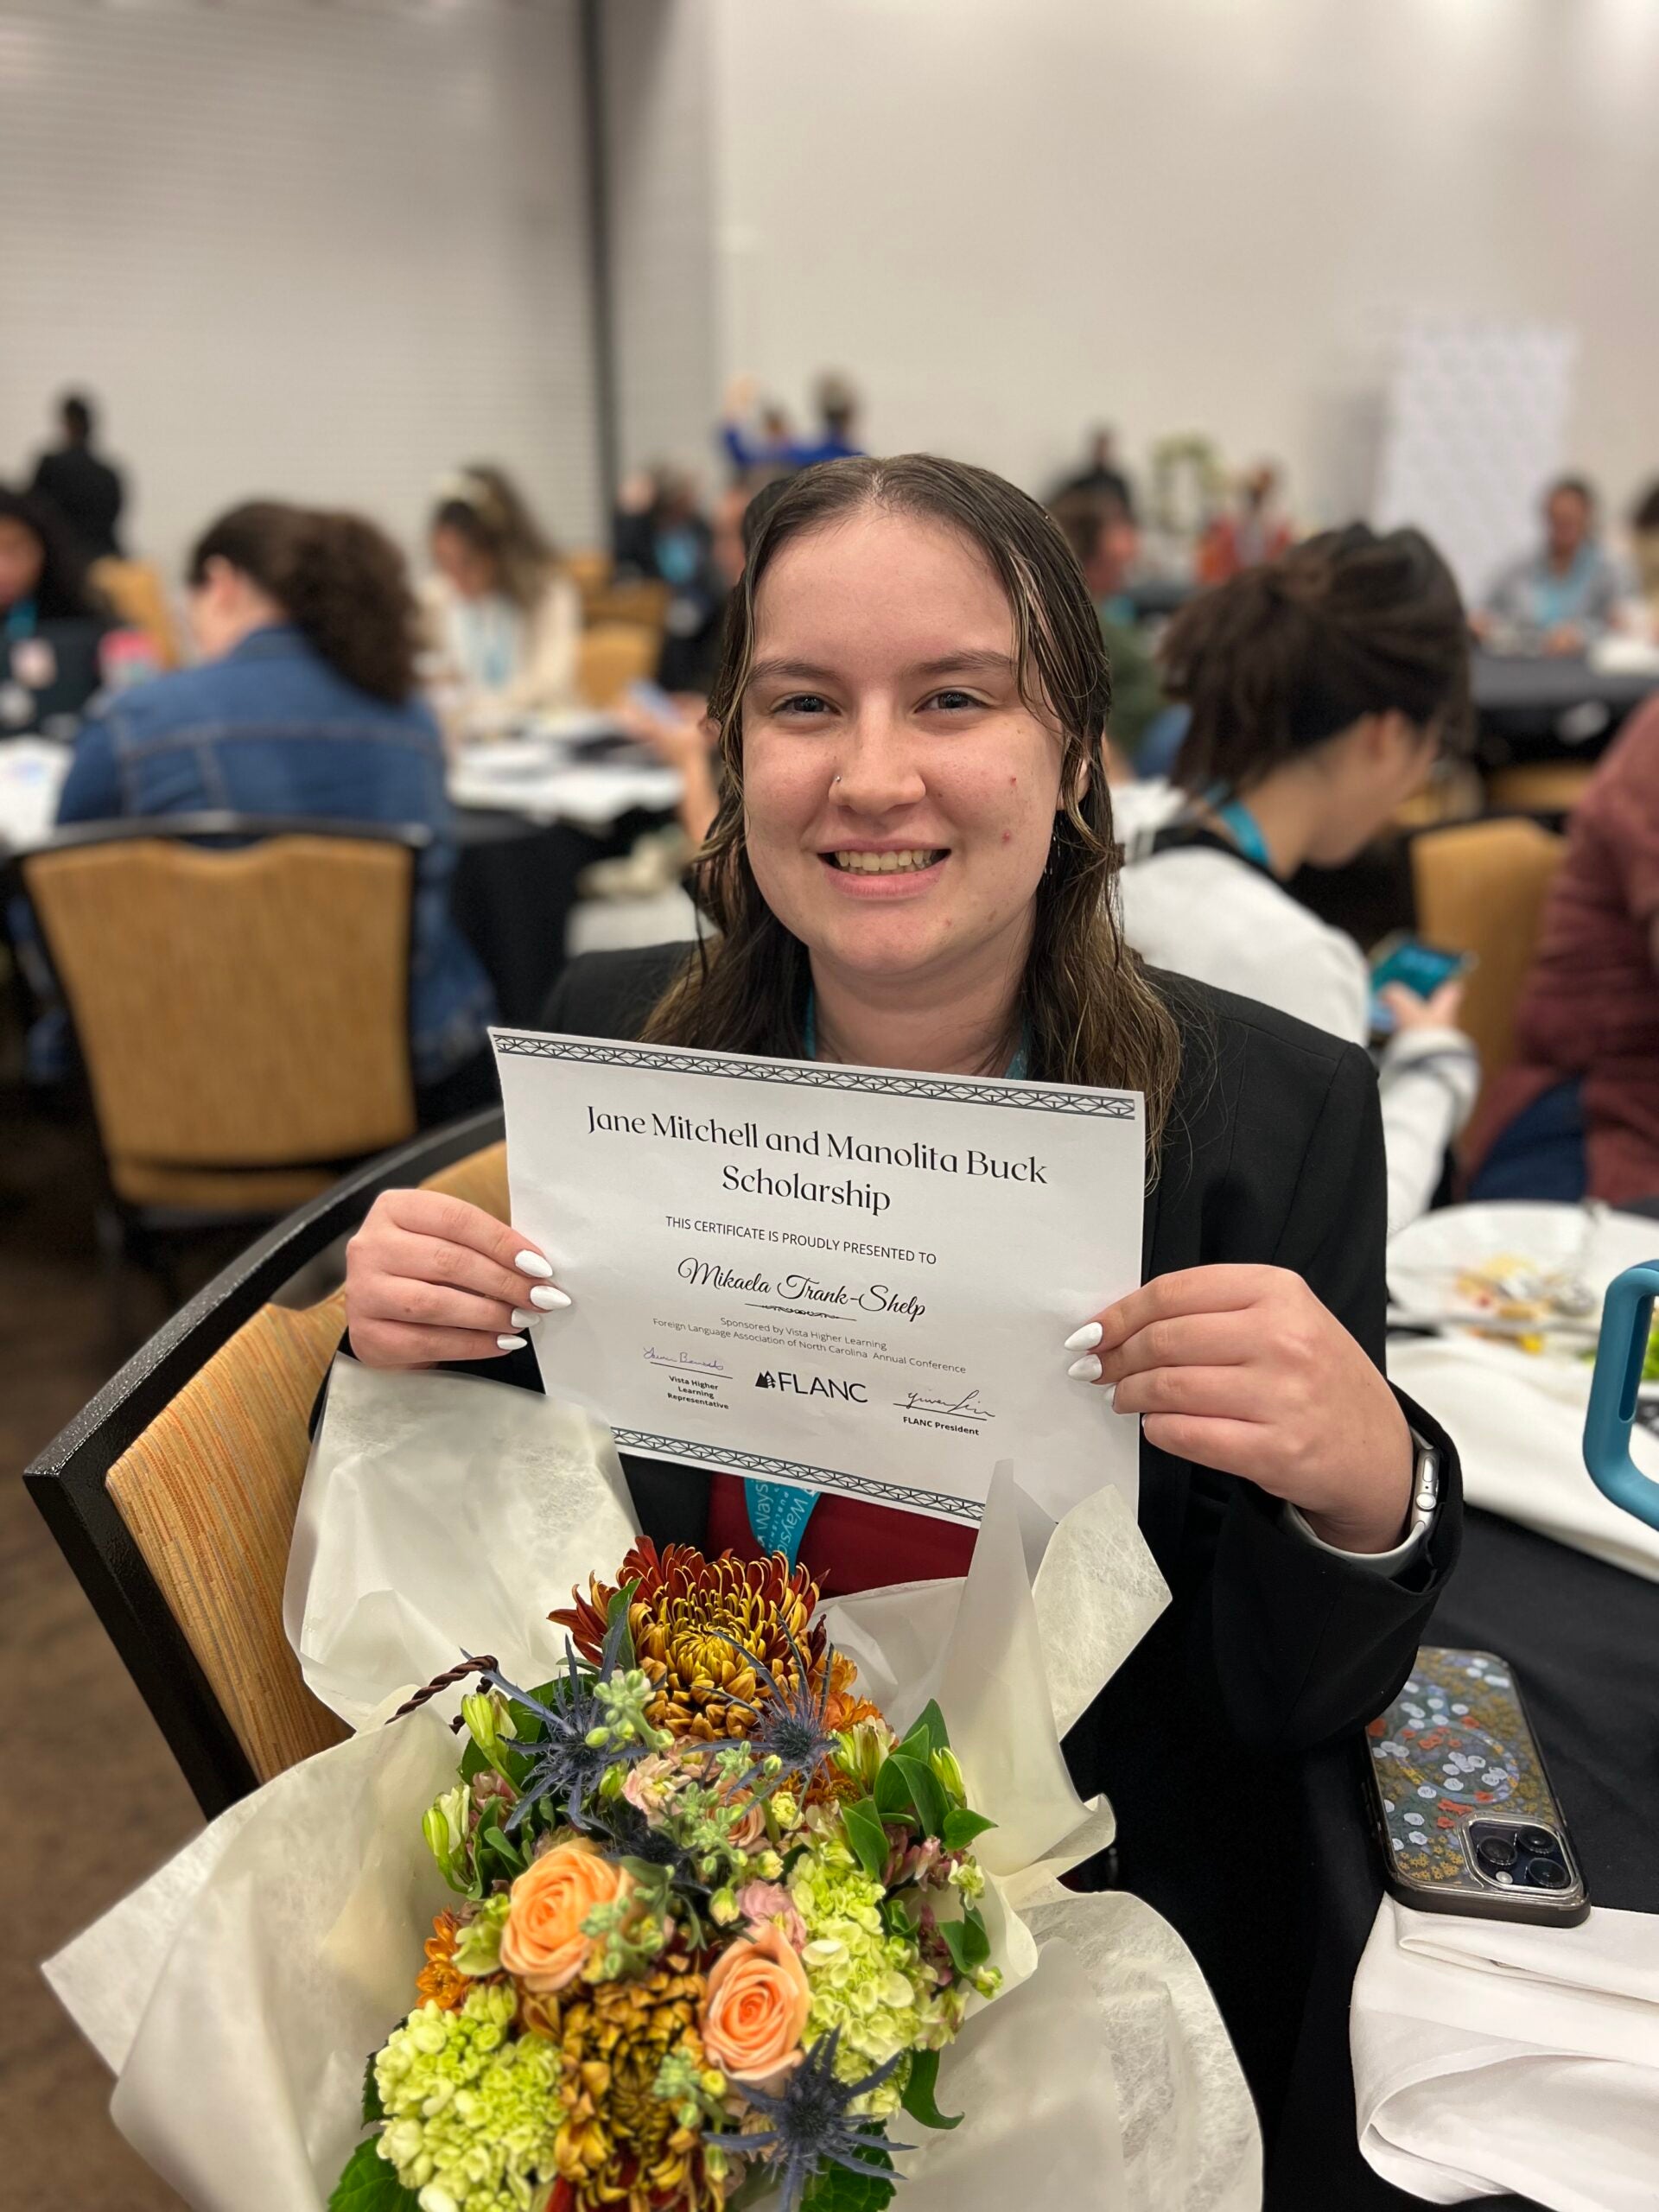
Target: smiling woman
(914, 866)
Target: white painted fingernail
(511, 1343)
(1086, 1370)
(548, 1297)
(1085, 1339)
(532, 1263)
(523, 1319)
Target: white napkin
(1492, 2056)
(1518, 1419)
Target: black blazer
(1272, 1154)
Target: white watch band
(1425, 1505)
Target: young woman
(505, 622)
(304, 704)
(910, 869)
(1321, 688)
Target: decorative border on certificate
(811, 1075)
(726, 1461)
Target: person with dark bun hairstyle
(1322, 687)
(305, 702)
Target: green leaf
(832, 2189)
(967, 1940)
(920, 1790)
(918, 2091)
(369, 2184)
(866, 1835)
(374, 2111)
(961, 1824)
(620, 1601)
(928, 1732)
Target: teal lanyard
(1246, 830)
(778, 1512)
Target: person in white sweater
(503, 622)
(1322, 686)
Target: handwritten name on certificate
(847, 1278)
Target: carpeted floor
(94, 1800)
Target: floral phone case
(1462, 1805)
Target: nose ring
(834, 779)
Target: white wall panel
(1009, 217)
(323, 249)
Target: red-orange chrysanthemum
(695, 1623)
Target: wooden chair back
(181, 1536)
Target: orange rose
(542, 1944)
(754, 2011)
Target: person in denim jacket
(304, 704)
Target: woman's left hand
(1243, 1369)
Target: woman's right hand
(431, 1278)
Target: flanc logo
(812, 1386)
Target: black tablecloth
(1584, 1640)
(512, 892)
(1532, 708)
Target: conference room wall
(1010, 221)
(315, 251)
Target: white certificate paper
(846, 1277)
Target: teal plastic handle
(1626, 1319)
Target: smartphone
(1460, 1801)
(1421, 966)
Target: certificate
(849, 1279)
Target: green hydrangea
(471, 2113)
(869, 1983)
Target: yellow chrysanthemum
(620, 2144)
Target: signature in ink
(968, 1408)
(684, 1359)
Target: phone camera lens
(1547, 1874)
(1496, 1852)
(1538, 1839)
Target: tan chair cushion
(243, 1010)
(1481, 889)
(612, 656)
(210, 1488)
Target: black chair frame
(67, 1481)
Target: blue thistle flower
(810, 2123)
(563, 1762)
(792, 1726)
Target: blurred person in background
(1578, 1114)
(1565, 594)
(1252, 530)
(677, 728)
(1322, 688)
(86, 491)
(1644, 545)
(658, 530)
(305, 702)
(1101, 476)
(52, 622)
(1099, 528)
(836, 437)
(503, 621)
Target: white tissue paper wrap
(1490, 2057)
(239, 1992)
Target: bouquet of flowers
(714, 1921)
(708, 1919)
